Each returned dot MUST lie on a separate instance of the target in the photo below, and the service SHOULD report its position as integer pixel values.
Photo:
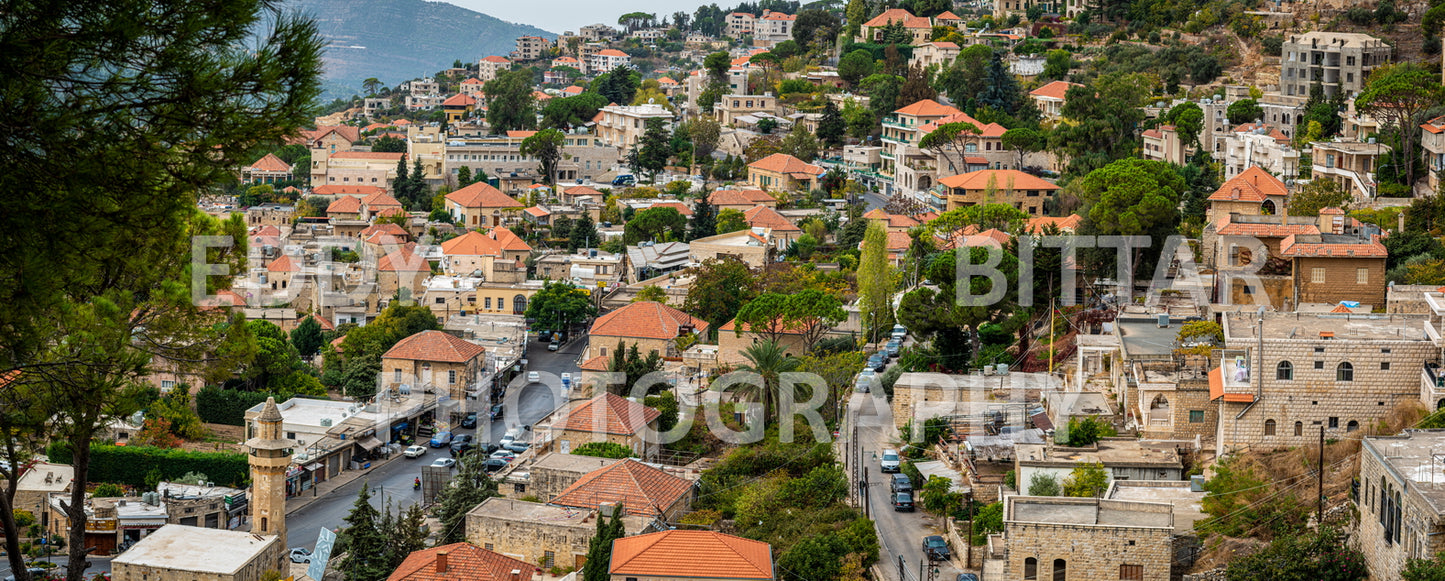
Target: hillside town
(906, 291)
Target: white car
(534, 377)
(414, 451)
(445, 462)
(866, 380)
(507, 455)
(890, 461)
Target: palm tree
(769, 361)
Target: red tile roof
(496, 59)
(347, 132)
(344, 205)
(403, 260)
(387, 229)
(769, 218)
(947, 15)
(1226, 227)
(641, 489)
(611, 52)
(473, 243)
(270, 162)
(1251, 185)
(679, 206)
(1312, 247)
(646, 320)
(582, 191)
(784, 163)
(1278, 136)
(1341, 309)
(282, 264)
(520, 134)
(335, 190)
(463, 562)
(1066, 224)
(610, 413)
(483, 195)
(460, 100)
(898, 15)
(985, 129)
(1003, 179)
(391, 156)
(928, 108)
(691, 554)
(598, 363)
(508, 239)
(1436, 125)
(739, 197)
(1054, 90)
(380, 200)
(439, 346)
(473, 81)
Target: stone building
(433, 360)
(1173, 401)
(38, 482)
(642, 490)
(1087, 538)
(1340, 62)
(753, 246)
(651, 326)
(550, 474)
(781, 171)
(182, 553)
(1018, 189)
(1400, 500)
(1122, 458)
(1350, 164)
(977, 399)
(535, 532)
(621, 126)
(480, 204)
(1307, 371)
(609, 418)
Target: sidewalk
(298, 502)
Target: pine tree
(1001, 93)
(365, 544)
(306, 337)
(416, 190)
(599, 549)
(464, 176)
(875, 280)
(704, 219)
(830, 127)
(406, 535)
(468, 489)
(400, 185)
(584, 234)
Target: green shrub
(603, 450)
(226, 406)
(130, 465)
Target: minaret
(270, 455)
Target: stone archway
(1159, 411)
(1268, 208)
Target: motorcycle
(416, 484)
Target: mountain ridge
(397, 40)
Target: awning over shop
(314, 467)
(369, 443)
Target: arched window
(1352, 426)
(1269, 427)
(519, 305)
(1031, 568)
(1061, 570)
(1299, 428)
(1284, 371)
(1345, 372)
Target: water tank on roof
(325, 422)
(1002, 369)
(1163, 321)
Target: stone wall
(530, 541)
(1189, 395)
(1341, 280)
(1088, 552)
(1313, 396)
(1419, 539)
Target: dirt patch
(223, 438)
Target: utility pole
(968, 497)
(1320, 520)
(902, 576)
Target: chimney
(516, 575)
(442, 561)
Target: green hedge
(226, 406)
(130, 464)
(879, 50)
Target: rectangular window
(1362, 276)
(487, 546)
(1131, 573)
(396, 375)
(1384, 366)
(441, 301)
(487, 302)
(1319, 365)
(1196, 416)
(167, 384)
(451, 376)
(1317, 275)
(1334, 422)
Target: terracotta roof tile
(460, 100)
(641, 489)
(464, 562)
(344, 205)
(483, 195)
(435, 346)
(598, 363)
(947, 15)
(646, 320)
(738, 197)
(691, 554)
(898, 15)
(1002, 179)
(928, 108)
(282, 264)
(1304, 246)
(610, 413)
(1054, 90)
(380, 200)
(1251, 185)
(472, 81)
(520, 134)
(473, 243)
(1066, 224)
(403, 260)
(1436, 125)
(679, 206)
(496, 59)
(508, 239)
(612, 52)
(1226, 227)
(387, 228)
(769, 218)
(784, 163)
(582, 191)
(270, 162)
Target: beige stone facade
(551, 474)
(182, 553)
(1398, 502)
(1087, 538)
(535, 533)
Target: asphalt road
(393, 480)
(900, 533)
(874, 201)
(97, 564)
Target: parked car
(534, 377)
(298, 555)
(878, 362)
(444, 462)
(899, 331)
(440, 439)
(497, 411)
(900, 483)
(865, 380)
(470, 421)
(624, 180)
(544, 336)
(504, 454)
(893, 347)
(553, 346)
(903, 501)
(518, 447)
(487, 449)
(935, 548)
(494, 464)
(513, 435)
(890, 461)
(414, 451)
(461, 443)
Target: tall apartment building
(1339, 61)
(490, 66)
(739, 24)
(585, 156)
(773, 28)
(622, 125)
(531, 48)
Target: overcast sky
(557, 16)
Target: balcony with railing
(1432, 385)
